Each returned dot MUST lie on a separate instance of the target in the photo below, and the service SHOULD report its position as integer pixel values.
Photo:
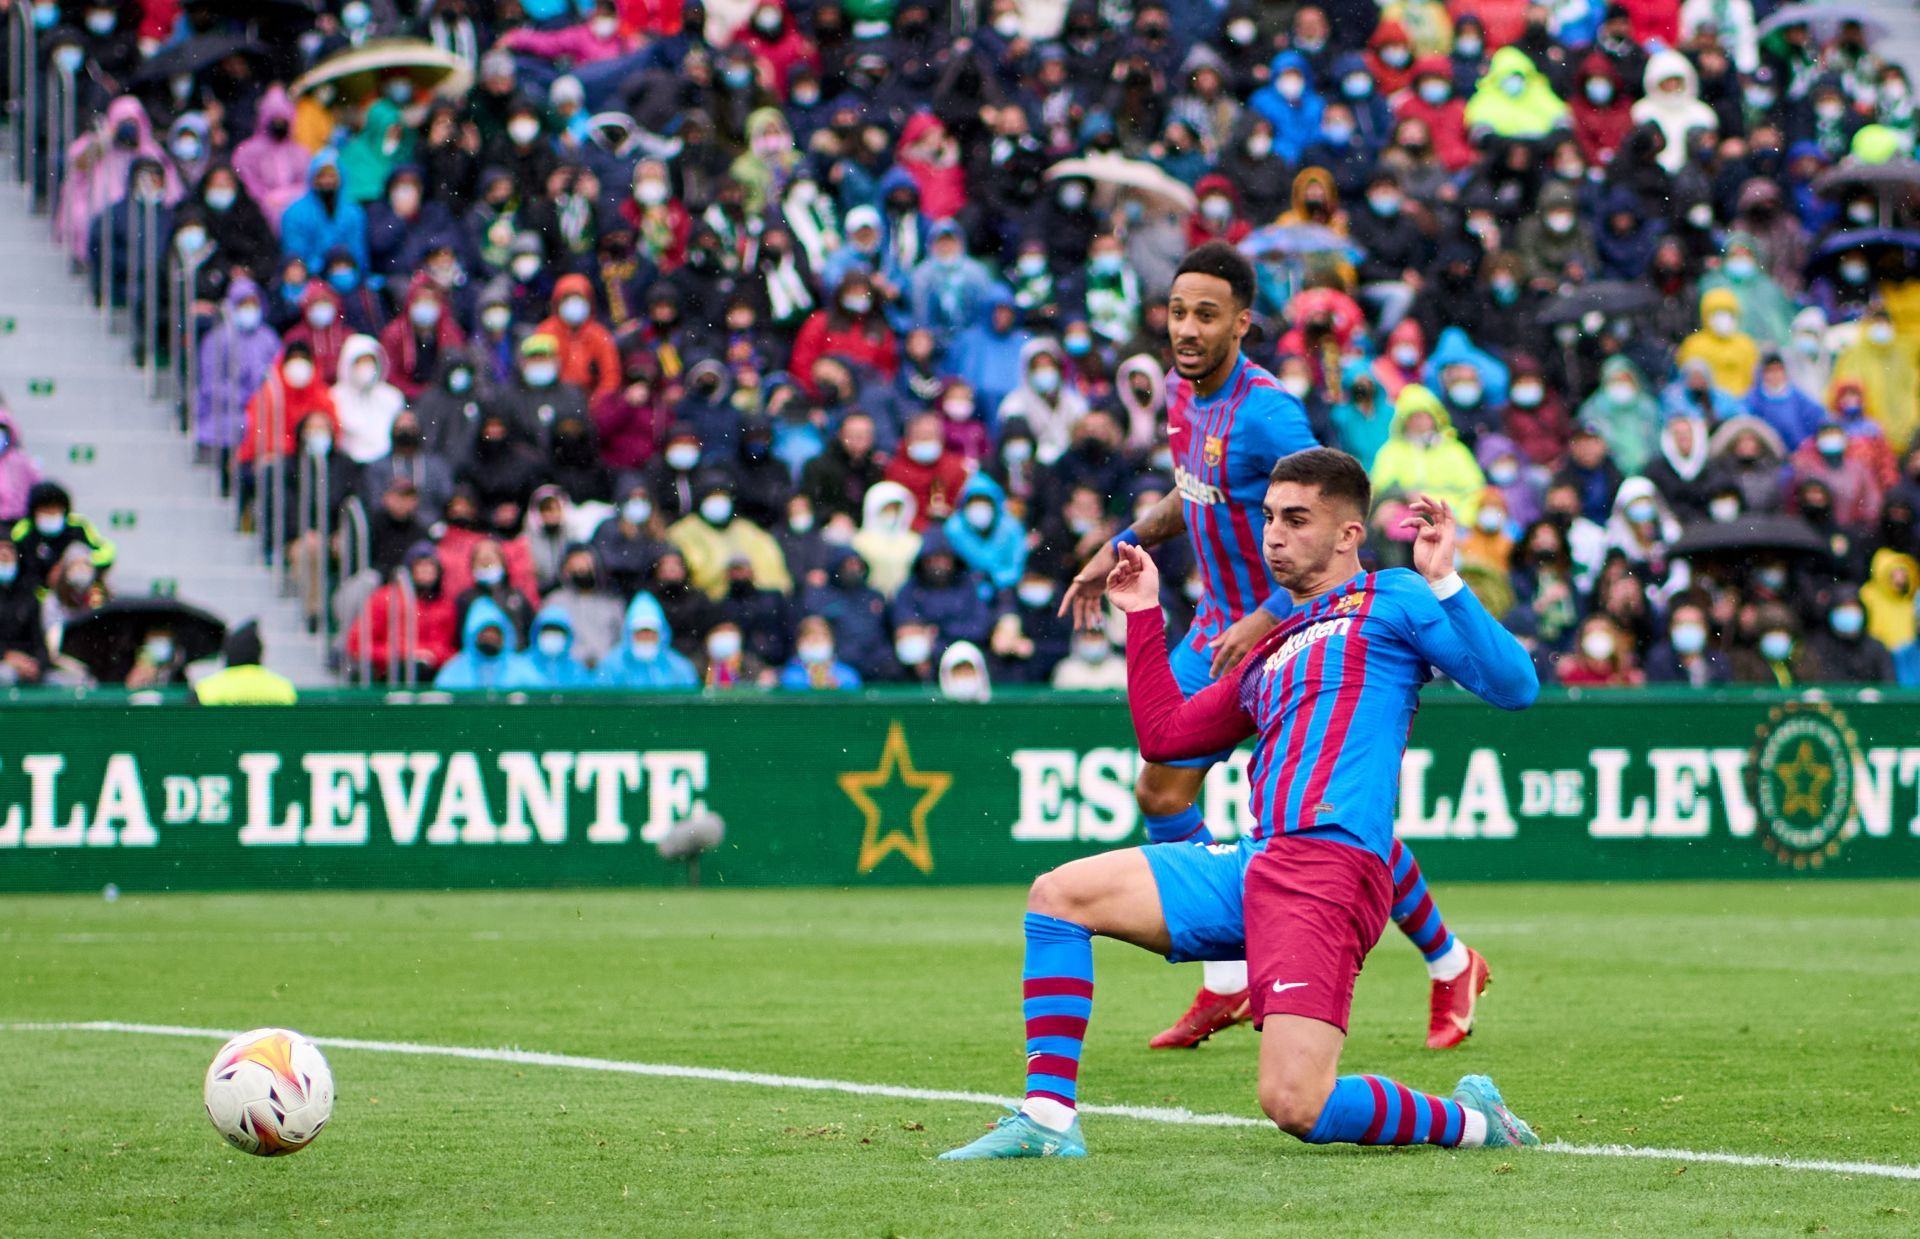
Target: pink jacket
(274, 172)
(576, 43)
(97, 173)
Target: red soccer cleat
(1209, 1014)
(1451, 1019)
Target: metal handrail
(150, 256)
(105, 225)
(403, 606)
(270, 487)
(186, 352)
(356, 556)
(23, 78)
(316, 516)
(62, 119)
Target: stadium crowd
(769, 342)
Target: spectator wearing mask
(942, 594)
(1745, 456)
(1601, 111)
(275, 169)
(236, 356)
(857, 612)
(1775, 656)
(1729, 352)
(1365, 418)
(51, 526)
(948, 287)
(73, 587)
(803, 545)
(632, 422)
(838, 479)
(1884, 367)
(730, 664)
(487, 574)
(23, 642)
(714, 534)
(1686, 656)
(324, 218)
(1865, 438)
(18, 470)
(1291, 104)
(1624, 414)
(1766, 312)
(551, 654)
(430, 473)
(1679, 470)
(814, 667)
(1856, 494)
(1892, 588)
(364, 403)
(538, 399)
(1437, 107)
(1602, 658)
(501, 469)
(1508, 472)
(963, 673)
(761, 483)
(488, 660)
(1090, 665)
(598, 615)
(585, 348)
(449, 411)
(427, 629)
(1555, 243)
(420, 339)
(988, 355)
(1049, 405)
(1488, 544)
(1842, 652)
(1514, 100)
(929, 471)
(628, 543)
(646, 660)
(1640, 530)
(852, 329)
(322, 328)
(1536, 418)
(1776, 401)
(573, 461)
(986, 539)
(1672, 104)
(1422, 456)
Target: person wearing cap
(244, 681)
(537, 399)
(949, 286)
(865, 248)
(714, 534)
(585, 348)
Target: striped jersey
(1330, 695)
(1224, 447)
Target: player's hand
(1082, 599)
(1233, 645)
(1433, 544)
(1134, 583)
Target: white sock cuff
(1224, 976)
(1058, 1116)
(1451, 964)
(1473, 1132)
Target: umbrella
(1823, 21)
(1745, 534)
(1896, 179)
(1114, 174)
(1294, 239)
(196, 54)
(357, 72)
(107, 637)
(1609, 298)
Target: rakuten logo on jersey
(1319, 631)
(1193, 490)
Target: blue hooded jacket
(999, 552)
(308, 231)
(955, 607)
(1296, 124)
(564, 670)
(987, 360)
(858, 614)
(666, 670)
(471, 670)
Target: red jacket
(1505, 20)
(943, 188)
(866, 342)
(1447, 123)
(327, 342)
(1387, 79)
(786, 49)
(935, 487)
(404, 364)
(456, 562)
(296, 404)
(434, 620)
(588, 358)
(1600, 130)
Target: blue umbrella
(1296, 239)
(1867, 238)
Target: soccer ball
(269, 1092)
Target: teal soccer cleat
(1505, 1129)
(1019, 1136)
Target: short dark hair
(1222, 261)
(1336, 474)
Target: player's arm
(1284, 429)
(1455, 632)
(1168, 726)
(1165, 521)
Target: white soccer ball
(269, 1092)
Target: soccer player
(1228, 421)
(1330, 694)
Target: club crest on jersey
(1214, 451)
(1347, 604)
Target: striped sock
(1186, 826)
(1417, 916)
(1058, 986)
(1376, 1110)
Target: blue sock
(1186, 826)
(1413, 908)
(1057, 990)
(1376, 1110)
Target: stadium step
(83, 410)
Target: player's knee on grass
(1294, 1103)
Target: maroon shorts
(1313, 908)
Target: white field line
(1151, 1114)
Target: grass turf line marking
(1152, 1114)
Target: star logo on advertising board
(1800, 775)
(884, 833)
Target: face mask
(1642, 511)
(1600, 92)
(1464, 395)
(1077, 346)
(552, 642)
(816, 652)
(1505, 291)
(646, 648)
(320, 315)
(298, 372)
(980, 515)
(605, 27)
(1017, 451)
(1623, 394)
(924, 452)
(574, 311)
(716, 509)
(1861, 212)
(1597, 645)
(1829, 110)
(1241, 30)
(1337, 134)
(1395, 57)
(159, 650)
(1854, 272)
(1406, 356)
(343, 281)
(319, 443)
(490, 575)
(1296, 385)
(1035, 594)
(9, 572)
(1529, 395)
(1503, 473)
(1435, 92)
(459, 382)
(1291, 86)
(722, 646)
(856, 304)
(365, 374)
(1045, 380)
(525, 268)
(50, 525)
(959, 408)
(1259, 146)
(1490, 520)
(424, 313)
(69, 57)
(1091, 650)
(1776, 646)
(221, 197)
(1832, 446)
(1356, 86)
(1774, 579)
(1742, 267)
(683, 456)
(1700, 215)
(1107, 264)
(1031, 265)
(190, 239)
(1689, 639)
(541, 373)
(650, 192)
(1880, 333)
(523, 130)
(1560, 222)
(1723, 323)
(739, 77)
(913, 649)
(1310, 44)
(1848, 621)
(1724, 510)
(1513, 85)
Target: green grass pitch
(1776, 1020)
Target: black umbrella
(194, 55)
(1746, 534)
(1611, 298)
(106, 638)
(1895, 183)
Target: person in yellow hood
(1883, 364)
(1316, 201)
(1422, 456)
(1888, 596)
(1728, 351)
(1514, 99)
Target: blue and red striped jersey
(1330, 693)
(1223, 449)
